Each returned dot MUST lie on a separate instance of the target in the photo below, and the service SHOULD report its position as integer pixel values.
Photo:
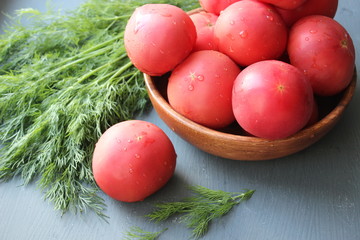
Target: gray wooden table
(312, 195)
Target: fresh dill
(198, 211)
(136, 233)
(64, 80)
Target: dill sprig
(64, 80)
(198, 211)
(136, 233)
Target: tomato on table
(132, 160)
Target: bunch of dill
(64, 80)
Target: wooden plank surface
(312, 195)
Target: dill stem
(117, 18)
(93, 51)
(92, 72)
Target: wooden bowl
(229, 143)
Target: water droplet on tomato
(313, 31)
(200, 77)
(137, 156)
(162, 51)
(190, 87)
(129, 140)
(125, 149)
(131, 171)
(232, 22)
(138, 26)
(307, 39)
(165, 163)
(270, 18)
(243, 34)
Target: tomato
(272, 99)
(285, 4)
(310, 7)
(200, 88)
(158, 37)
(216, 6)
(132, 160)
(204, 23)
(324, 51)
(250, 31)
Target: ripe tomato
(145, 42)
(250, 31)
(272, 99)
(285, 4)
(310, 7)
(216, 6)
(324, 51)
(132, 160)
(200, 88)
(204, 23)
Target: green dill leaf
(198, 211)
(64, 80)
(136, 233)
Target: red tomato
(216, 6)
(250, 31)
(324, 51)
(310, 7)
(158, 37)
(285, 4)
(272, 99)
(204, 23)
(200, 88)
(132, 160)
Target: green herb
(140, 234)
(64, 81)
(198, 211)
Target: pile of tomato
(258, 63)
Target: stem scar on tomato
(281, 88)
(344, 43)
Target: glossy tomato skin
(251, 31)
(285, 4)
(216, 6)
(132, 160)
(324, 51)
(204, 23)
(310, 7)
(272, 99)
(200, 88)
(145, 42)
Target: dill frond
(198, 211)
(64, 80)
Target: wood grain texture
(310, 195)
